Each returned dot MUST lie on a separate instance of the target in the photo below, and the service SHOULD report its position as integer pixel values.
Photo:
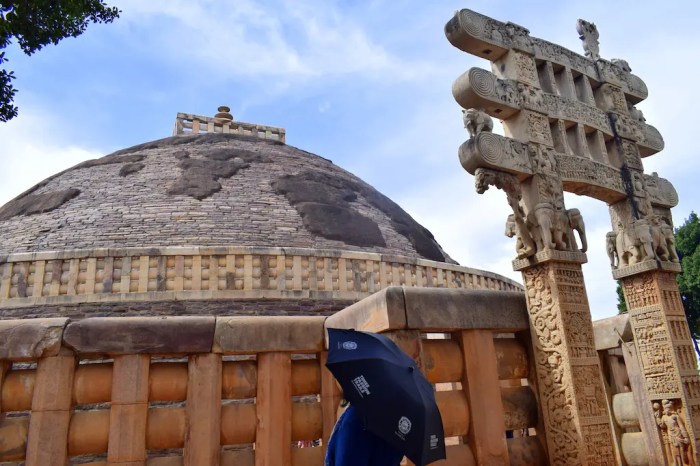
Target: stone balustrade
(254, 390)
(199, 273)
(187, 123)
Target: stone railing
(634, 426)
(190, 273)
(254, 390)
(187, 123)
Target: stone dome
(210, 190)
(232, 221)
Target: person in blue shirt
(351, 444)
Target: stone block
(526, 451)
(30, 339)
(608, 332)
(380, 312)
(152, 335)
(431, 309)
(246, 335)
(519, 407)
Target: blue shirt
(353, 445)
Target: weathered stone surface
(110, 160)
(31, 204)
(526, 451)
(384, 310)
(200, 177)
(634, 450)
(31, 339)
(238, 206)
(519, 407)
(340, 223)
(625, 410)
(608, 332)
(246, 307)
(154, 335)
(130, 168)
(252, 334)
(327, 206)
(440, 309)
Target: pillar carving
(667, 361)
(571, 392)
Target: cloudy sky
(365, 84)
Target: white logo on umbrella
(361, 385)
(404, 425)
(433, 442)
(349, 345)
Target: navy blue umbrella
(384, 384)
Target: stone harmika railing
(102, 275)
(187, 123)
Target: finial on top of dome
(224, 113)
(223, 122)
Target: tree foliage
(688, 247)
(34, 24)
(621, 303)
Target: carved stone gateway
(571, 124)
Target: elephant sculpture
(645, 240)
(610, 248)
(476, 120)
(625, 245)
(635, 243)
(524, 245)
(552, 228)
(667, 230)
(575, 222)
(659, 237)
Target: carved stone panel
(667, 359)
(517, 66)
(569, 381)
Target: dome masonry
(212, 189)
(218, 189)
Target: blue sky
(365, 84)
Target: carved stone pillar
(667, 361)
(570, 124)
(570, 387)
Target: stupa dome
(233, 210)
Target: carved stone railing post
(667, 360)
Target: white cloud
(32, 151)
(297, 40)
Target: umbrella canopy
(384, 384)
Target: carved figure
(519, 36)
(659, 239)
(477, 120)
(541, 159)
(588, 33)
(621, 64)
(676, 435)
(667, 231)
(547, 221)
(610, 247)
(645, 241)
(636, 114)
(483, 178)
(524, 245)
(530, 95)
(626, 246)
(576, 223)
